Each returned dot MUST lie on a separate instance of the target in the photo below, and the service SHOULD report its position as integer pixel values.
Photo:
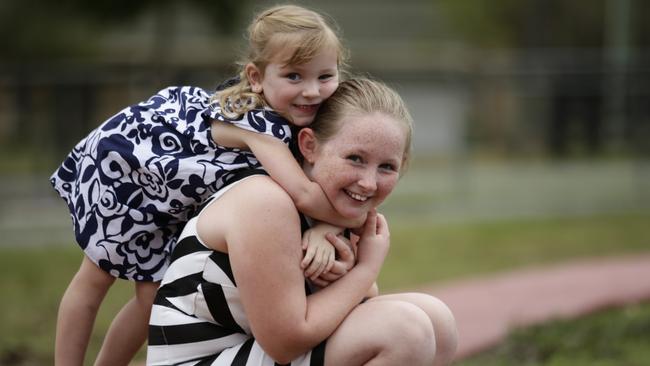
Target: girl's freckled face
(359, 166)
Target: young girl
(132, 183)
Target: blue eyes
(296, 77)
(388, 167)
(359, 160)
(293, 77)
(355, 158)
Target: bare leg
(382, 333)
(129, 329)
(444, 324)
(77, 312)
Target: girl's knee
(445, 329)
(392, 332)
(440, 317)
(412, 333)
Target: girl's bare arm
(265, 259)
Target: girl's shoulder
(253, 201)
(259, 194)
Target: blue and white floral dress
(132, 183)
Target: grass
(609, 338)
(33, 280)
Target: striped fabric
(197, 317)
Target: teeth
(305, 106)
(357, 197)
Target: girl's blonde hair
(286, 27)
(362, 96)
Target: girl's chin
(352, 209)
(354, 214)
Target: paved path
(487, 308)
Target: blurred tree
(71, 28)
(584, 50)
(527, 23)
(222, 13)
(52, 55)
(481, 23)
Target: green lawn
(610, 338)
(33, 279)
(422, 252)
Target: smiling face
(359, 166)
(296, 91)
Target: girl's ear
(308, 144)
(254, 76)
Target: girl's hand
(344, 262)
(374, 241)
(319, 253)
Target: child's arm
(284, 169)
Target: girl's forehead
(282, 54)
(296, 52)
(370, 130)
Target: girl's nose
(311, 90)
(368, 181)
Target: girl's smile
(359, 166)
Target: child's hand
(343, 263)
(319, 253)
(318, 259)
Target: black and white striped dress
(198, 318)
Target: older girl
(235, 294)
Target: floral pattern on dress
(134, 181)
